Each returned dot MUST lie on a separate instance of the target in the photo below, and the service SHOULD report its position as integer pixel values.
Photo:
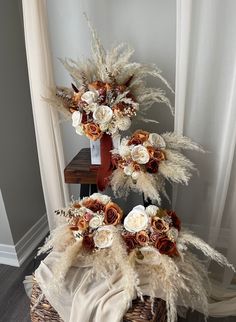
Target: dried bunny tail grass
(176, 141)
(59, 239)
(57, 102)
(174, 172)
(189, 238)
(147, 184)
(179, 159)
(67, 259)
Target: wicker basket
(140, 311)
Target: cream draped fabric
(206, 112)
(83, 298)
(48, 137)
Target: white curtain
(206, 112)
(50, 151)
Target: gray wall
(148, 26)
(20, 181)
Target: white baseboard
(15, 255)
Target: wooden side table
(80, 170)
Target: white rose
(128, 170)
(79, 130)
(135, 175)
(76, 118)
(152, 210)
(103, 114)
(157, 140)
(89, 97)
(96, 221)
(151, 256)
(103, 237)
(104, 127)
(102, 198)
(124, 151)
(123, 123)
(140, 154)
(136, 220)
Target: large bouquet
(145, 160)
(107, 91)
(147, 247)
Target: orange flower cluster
(141, 140)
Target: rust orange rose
(159, 224)
(138, 137)
(81, 223)
(137, 167)
(175, 220)
(151, 151)
(142, 238)
(88, 243)
(76, 205)
(165, 246)
(92, 131)
(159, 155)
(130, 241)
(113, 214)
(152, 166)
(96, 85)
(93, 204)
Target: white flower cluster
(109, 120)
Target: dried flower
(142, 238)
(113, 214)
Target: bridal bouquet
(108, 91)
(147, 247)
(145, 160)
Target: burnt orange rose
(93, 204)
(159, 155)
(137, 167)
(165, 246)
(119, 107)
(142, 238)
(176, 223)
(159, 224)
(138, 137)
(92, 131)
(152, 166)
(81, 223)
(151, 151)
(130, 241)
(113, 214)
(88, 243)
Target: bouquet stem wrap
(105, 169)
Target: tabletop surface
(80, 170)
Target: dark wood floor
(14, 303)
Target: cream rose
(123, 123)
(89, 97)
(140, 154)
(103, 114)
(152, 210)
(76, 118)
(96, 221)
(103, 237)
(128, 170)
(135, 175)
(136, 220)
(102, 198)
(157, 140)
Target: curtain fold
(206, 112)
(48, 137)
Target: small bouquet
(147, 249)
(107, 91)
(145, 160)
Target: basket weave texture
(139, 312)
